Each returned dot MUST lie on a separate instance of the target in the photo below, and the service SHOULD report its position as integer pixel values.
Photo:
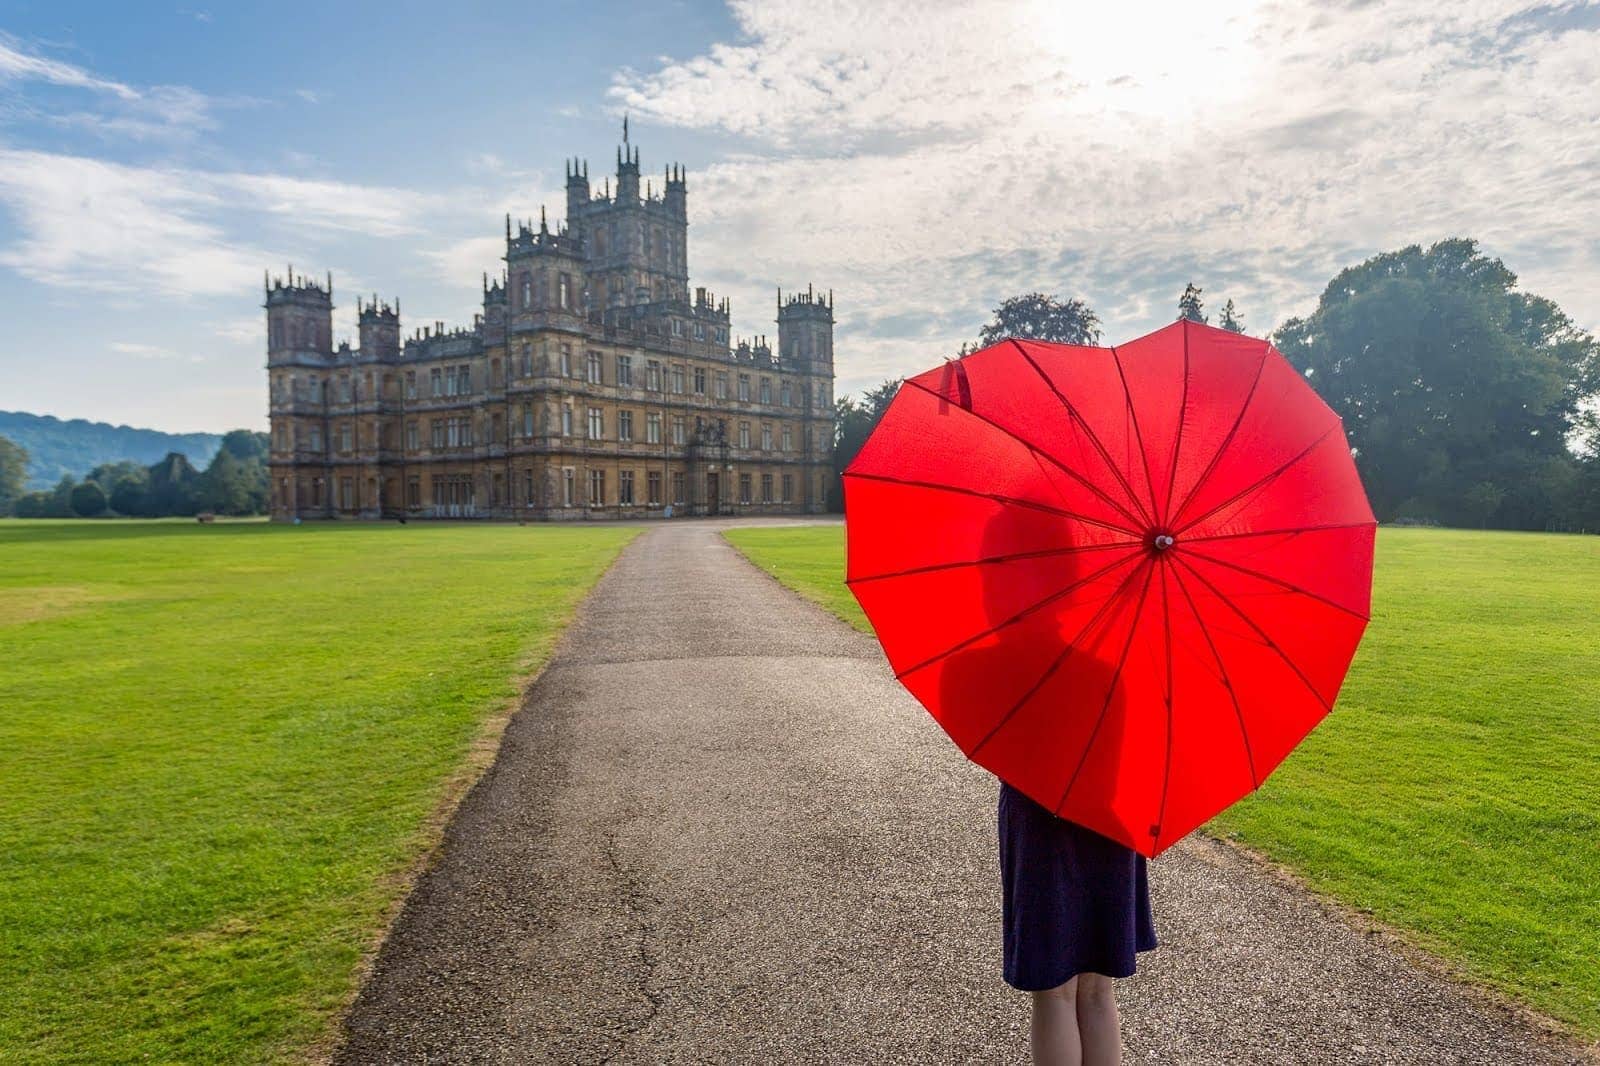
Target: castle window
(344, 436)
(677, 327)
(595, 375)
(569, 496)
(788, 488)
(566, 421)
(680, 430)
(766, 488)
(699, 381)
(527, 292)
(699, 331)
(597, 423)
(464, 379)
(722, 385)
(766, 437)
(784, 395)
(436, 379)
(413, 491)
(436, 433)
(744, 388)
(564, 291)
(624, 370)
(788, 437)
(413, 440)
(678, 380)
(744, 488)
(527, 420)
(822, 394)
(677, 487)
(411, 384)
(624, 425)
(527, 487)
(316, 439)
(652, 488)
(652, 375)
(652, 427)
(566, 360)
(766, 390)
(744, 434)
(597, 488)
(625, 487)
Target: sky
(922, 160)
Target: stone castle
(593, 384)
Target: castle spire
(624, 128)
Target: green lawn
(1454, 793)
(220, 751)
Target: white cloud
(16, 65)
(930, 160)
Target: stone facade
(592, 385)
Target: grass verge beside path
(219, 752)
(1454, 793)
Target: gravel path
(718, 831)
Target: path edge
(482, 752)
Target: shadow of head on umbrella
(1036, 687)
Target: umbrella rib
(1227, 682)
(1105, 456)
(1016, 501)
(1262, 482)
(1037, 554)
(1056, 595)
(1138, 437)
(1226, 440)
(1183, 414)
(1264, 576)
(1039, 452)
(1166, 625)
(1116, 679)
(1259, 632)
(1056, 663)
(1279, 532)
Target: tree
(106, 475)
(853, 422)
(1189, 305)
(128, 495)
(1458, 393)
(228, 484)
(88, 499)
(1037, 316)
(13, 473)
(246, 444)
(1230, 319)
(174, 487)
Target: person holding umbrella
(1127, 581)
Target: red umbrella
(1126, 580)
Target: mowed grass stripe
(1454, 793)
(219, 750)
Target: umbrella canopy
(1126, 580)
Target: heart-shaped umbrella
(1126, 580)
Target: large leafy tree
(853, 422)
(174, 487)
(88, 499)
(1041, 317)
(13, 473)
(1458, 392)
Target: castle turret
(676, 195)
(627, 174)
(577, 187)
(380, 330)
(805, 332)
(299, 319)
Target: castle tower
(380, 330)
(577, 188)
(299, 320)
(627, 174)
(805, 332)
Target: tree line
(1466, 401)
(234, 483)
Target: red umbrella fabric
(1128, 580)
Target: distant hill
(57, 448)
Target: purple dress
(1074, 901)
